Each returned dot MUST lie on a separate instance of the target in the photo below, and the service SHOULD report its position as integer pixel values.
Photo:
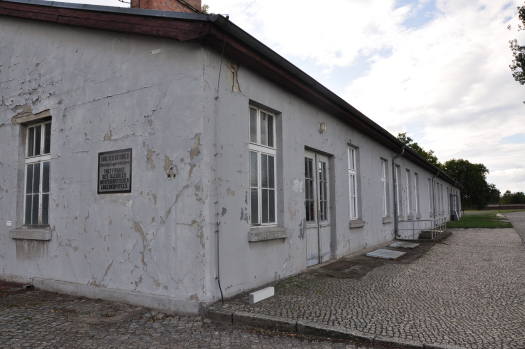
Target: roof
(218, 33)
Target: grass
(481, 219)
(474, 212)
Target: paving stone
(385, 254)
(38, 319)
(404, 244)
(467, 292)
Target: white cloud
(449, 73)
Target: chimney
(190, 6)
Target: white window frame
(407, 172)
(416, 192)
(398, 199)
(442, 200)
(352, 183)
(384, 166)
(32, 160)
(260, 149)
(430, 196)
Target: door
(317, 208)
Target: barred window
(352, 180)
(262, 148)
(37, 172)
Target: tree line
(477, 192)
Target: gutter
(394, 177)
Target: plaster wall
(108, 91)
(158, 245)
(245, 265)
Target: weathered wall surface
(157, 246)
(243, 264)
(108, 91)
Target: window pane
(271, 174)
(264, 128)
(31, 141)
(253, 169)
(352, 185)
(28, 209)
(253, 125)
(45, 209)
(351, 159)
(29, 181)
(38, 139)
(34, 210)
(45, 180)
(312, 211)
(306, 168)
(270, 131)
(307, 209)
(254, 203)
(36, 178)
(47, 138)
(272, 206)
(264, 205)
(264, 171)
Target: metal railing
(414, 228)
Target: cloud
(438, 64)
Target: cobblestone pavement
(518, 222)
(468, 291)
(39, 319)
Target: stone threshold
(240, 318)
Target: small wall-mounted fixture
(322, 127)
(171, 174)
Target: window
(442, 199)
(429, 196)
(398, 209)
(408, 191)
(436, 197)
(38, 167)
(352, 180)
(383, 186)
(416, 192)
(262, 167)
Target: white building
(141, 162)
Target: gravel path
(468, 291)
(518, 222)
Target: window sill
(268, 233)
(27, 233)
(356, 223)
(387, 220)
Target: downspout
(395, 189)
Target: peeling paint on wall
(298, 185)
(232, 76)
(195, 149)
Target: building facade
(142, 164)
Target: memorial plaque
(114, 172)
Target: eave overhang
(218, 33)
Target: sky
(438, 70)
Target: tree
(476, 191)
(428, 155)
(518, 63)
(510, 198)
